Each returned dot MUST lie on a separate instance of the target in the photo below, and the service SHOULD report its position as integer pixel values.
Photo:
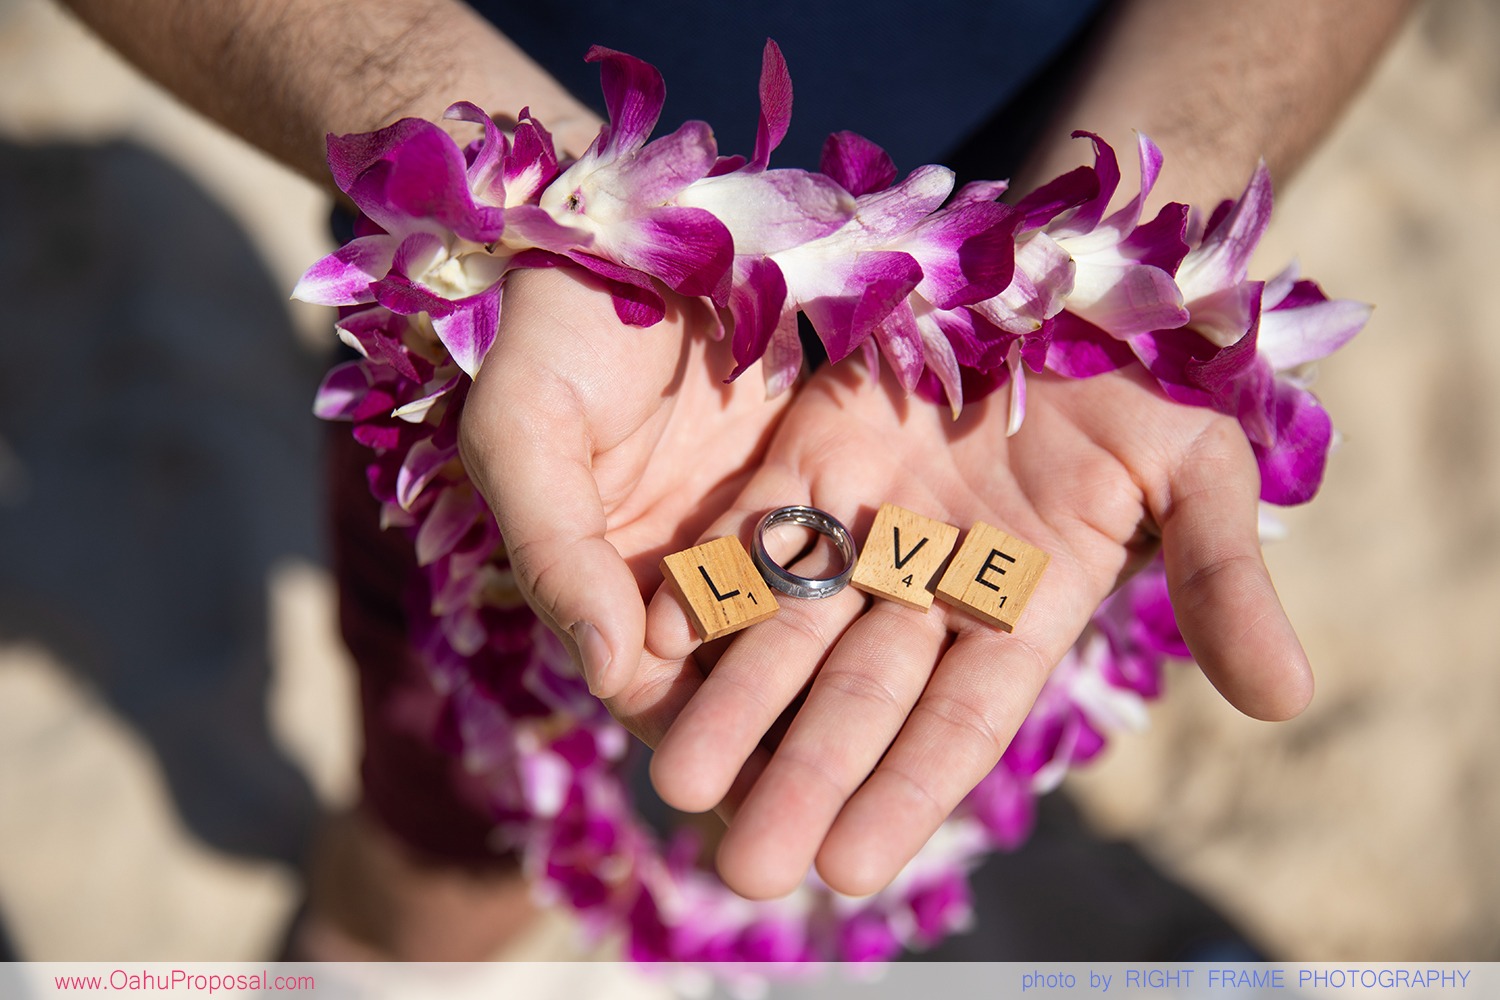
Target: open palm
(906, 711)
(602, 447)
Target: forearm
(284, 73)
(1220, 84)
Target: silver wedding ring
(789, 583)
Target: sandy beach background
(175, 710)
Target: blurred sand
(174, 706)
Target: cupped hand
(601, 447)
(902, 712)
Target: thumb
(526, 444)
(1220, 589)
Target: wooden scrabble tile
(902, 555)
(992, 576)
(723, 589)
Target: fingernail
(594, 652)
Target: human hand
(601, 448)
(907, 711)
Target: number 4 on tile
(902, 555)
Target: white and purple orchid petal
(1297, 334)
(967, 252)
(1268, 527)
(756, 302)
(536, 227)
(1166, 355)
(1085, 218)
(1061, 194)
(469, 329)
(1218, 369)
(1043, 279)
(532, 162)
(420, 466)
(1198, 227)
(1017, 390)
(1162, 242)
(341, 391)
(423, 176)
(1279, 287)
(876, 282)
(687, 248)
(1124, 221)
(938, 353)
(867, 936)
(378, 334)
(856, 164)
(727, 165)
(1034, 348)
(400, 294)
(447, 521)
(486, 178)
(418, 254)
(901, 342)
(1126, 299)
(979, 192)
(977, 343)
(536, 257)
(895, 210)
(655, 175)
(772, 210)
(1223, 316)
(1239, 383)
(633, 96)
(1292, 470)
(1078, 349)
(378, 436)
(959, 327)
(344, 277)
(416, 411)
(775, 105)
(782, 363)
(636, 300)
(1005, 805)
(350, 156)
(1223, 258)
(1242, 386)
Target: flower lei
(960, 295)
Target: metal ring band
(789, 583)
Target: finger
(1225, 603)
(977, 698)
(854, 710)
(675, 660)
(525, 442)
(648, 707)
(763, 670)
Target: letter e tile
(992, 576)
(902, 555)
(723, 589)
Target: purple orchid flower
(429, 205)
(767, 212)
(1084, 281)
(1247, 348)
(620, 193)
(877, 281)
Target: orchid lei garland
(960, 295)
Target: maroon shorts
(413, 780)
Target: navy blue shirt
(919, 78)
